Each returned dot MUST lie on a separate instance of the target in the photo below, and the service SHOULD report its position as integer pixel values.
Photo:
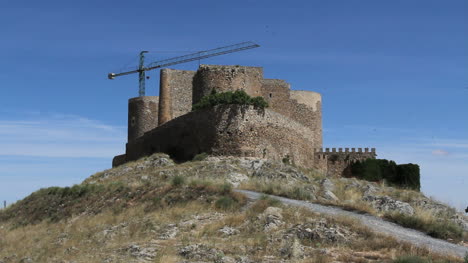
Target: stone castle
(290, 129)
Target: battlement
(346, 150)
(336, 161)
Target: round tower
(142, 115)
(227, 78)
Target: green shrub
(403, 175)
(200, 157)
(225, 203)
(408, 175)
(177, 180)
(237, 97)
(225, 188)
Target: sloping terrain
(154, 210)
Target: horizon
(392, 75)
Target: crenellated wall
(335, 162)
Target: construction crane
(141, 69)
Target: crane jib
(181, 59)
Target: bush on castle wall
(237, 97)
(375, 170)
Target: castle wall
(142, 115)
(228, 130)
(302, 106)
(176, 93)
(276, 93)
(227, 78)
(306, 108)
(336, 163)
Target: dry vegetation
(188, 213)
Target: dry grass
(82, 238)
(133, 211)
(432, 225)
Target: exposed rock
(273, 170)
(292, 249)
(322, 231)
(111, 231)
(201, 252)
(329, 195)
(369, 189)
(251, 164)
(236, 179)
(145, 253)
(327, 184)
(460, 220)
(158, 160)
(169, 232)
(272, 217)
(229, 231)
(387, 204)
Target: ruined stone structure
(289, 129)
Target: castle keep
(289, 129)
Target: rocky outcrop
(386, 204)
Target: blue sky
(392, 74)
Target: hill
(154, 210)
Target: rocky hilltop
(154, 210)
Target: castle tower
(227, 78)
(142, 115)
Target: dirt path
(376, 224)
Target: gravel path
(376, 224)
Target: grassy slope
(112, 212)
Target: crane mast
(141, 69)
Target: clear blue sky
(393, 75)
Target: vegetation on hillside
(375, 170)
(159, 211)
(57, 203)
(230, 97)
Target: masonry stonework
(142, 115)
(290, 128)
(227, 78)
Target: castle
(289, 129)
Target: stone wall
(227, 78)
(302, 106)
(142, 115)
(336, 162)
(176, 93)
(306, 108)
(228, 130)
(180, 83)
(276, 93)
